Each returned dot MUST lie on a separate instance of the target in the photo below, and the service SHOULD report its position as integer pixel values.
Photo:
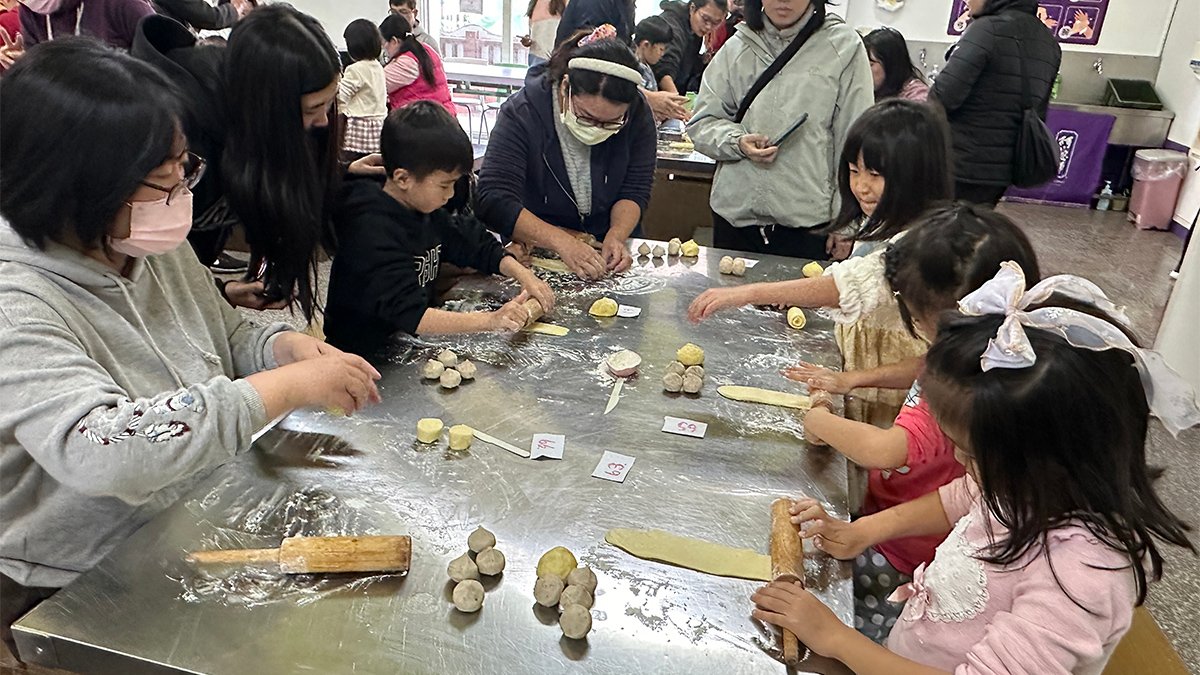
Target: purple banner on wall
(1076, 22)
(1082, 139)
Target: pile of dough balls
(448, 370)
(646, 251)
(562, 583)
(734, 266)
(482, 559)
(686, 373)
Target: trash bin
(1157, 176)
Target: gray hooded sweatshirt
(116, 395)
(829, 78)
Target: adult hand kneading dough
(693, 554)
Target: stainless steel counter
(144, 609)
(1132, 127)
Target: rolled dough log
(535, 310)
(796, 318)
(551, 265)
(546, 329)
(693, 554)
(429, 429)
(756, 395)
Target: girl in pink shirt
(1055, 531)
(412, 73)
(947, 253)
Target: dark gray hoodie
(115, 395)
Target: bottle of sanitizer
(1106, 195)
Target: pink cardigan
(971, 617)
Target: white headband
(606, 67)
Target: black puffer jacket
(682, 59)
(981, 87)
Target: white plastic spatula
(622, 364)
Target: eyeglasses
(709, 21)
(592, 122)
(193, 170)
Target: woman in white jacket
(773, 192)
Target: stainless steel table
(467, 74)
(144, 609)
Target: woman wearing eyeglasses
(123, 373)
(680, 68)
(573, 154)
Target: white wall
(1133, 27)
(1177, 85)
(335, 15)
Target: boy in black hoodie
(391, 241)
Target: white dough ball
(725, 265)
(677, 368)
(644, 249)
(547, 590)
(692, 384)
(576, 595)
(448, 358)
(672, 382)
(490, 561)
(658, 251)
(480, 539)
(583, 577)
(468, 596)
(576, 622)
(432, 370)
(738, 269)
(698, 371)
(450, 379)
(462, 568)
(466, 369)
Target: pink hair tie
(604, 31)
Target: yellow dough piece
(603, 307)
(812, 269)
(551, 265)
(460, 437)
(693, 554)
(796, 318)
(429, 429)
(558, 562)
(690, 355)
(765, 396)
(689, 249)
(546, 329)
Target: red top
(10, 20)
(420, 90)
(930, 465)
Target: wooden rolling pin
(535, 310)
(306, 555)
(787, 563)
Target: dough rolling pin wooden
(308, 555)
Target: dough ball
(576, 622)
(432, 370)
(673, 246)
(460, 437)
(429, 429)
(450, 378)
(548, 590)
(698, 371)
(583, 577)
(690, 355)
(644, 249)
(738, 269)
(676, 367)
(692, 384)
(796, 318)
(490, 562)
(726, 265)
(576, 595)
(673, 382)
(468, 596)
(448, 358)
(658, 251)
(603, 307)
(462, 568)
(812, 269)
(689, 249)
(480, 540)
(558, 561)
(466, 369)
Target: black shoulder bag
(1035, 160)
(814, 24)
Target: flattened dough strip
(692, 554)
(756, 395)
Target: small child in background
(362, 93)
(650, 40)
(948, 252)
(1054, 533)
(392, 241)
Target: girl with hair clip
(1054, 533)
(895, 165)
(573, 153)
(949, 252)
(413, 73)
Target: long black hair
(396, 27)
(582, 81)
(752, 12)
(1062, 441)
(81, 126)
(909, 145)
(949, 252)
(887, 46)
(279, 178)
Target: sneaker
(227, 264)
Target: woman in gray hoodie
(773, 189)
(124, 374)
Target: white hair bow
(1171, 399)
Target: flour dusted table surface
(144, 609)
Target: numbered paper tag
(547, 445)
(613, 466)
(629, 311)
(750, 263)
(676, 425)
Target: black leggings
(793, 242)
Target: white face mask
(587, 134)
(43, 6)
(156, 227)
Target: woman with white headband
(573, 153)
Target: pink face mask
(156, 227)
(43, 6)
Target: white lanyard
(78, 21)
